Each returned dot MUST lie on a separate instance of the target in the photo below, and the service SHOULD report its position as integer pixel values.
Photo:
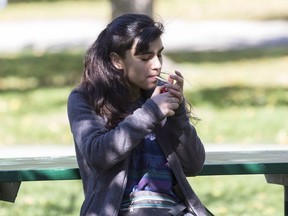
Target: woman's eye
(148, 57)
(145, 57)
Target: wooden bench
(272, 163)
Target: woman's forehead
(154, 46)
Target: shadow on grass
(55, 209)
(65, 69)
(48, 70)
(226, 56)
(240, 96)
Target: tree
(120, 7)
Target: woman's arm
(188, 147)
(104, 148)
(187, 144)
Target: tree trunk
(120, 7)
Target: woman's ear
(116, 60)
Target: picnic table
(272, 163)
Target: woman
(133, 138)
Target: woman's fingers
(178, 78)
(167, 102)
(175, 91)
(177, 88)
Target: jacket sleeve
(103, 148)
(187, 144)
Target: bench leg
(286, 200)
(9, 191)
(281, 179)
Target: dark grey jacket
(103, 155)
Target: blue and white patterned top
(148, 170)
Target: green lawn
(239, 195)
(180, 9)
(241, 97)
(46, 198)
(240, 87)
(249, 91)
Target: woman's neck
(135, 93)
(136, 96)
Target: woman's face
(142, 69)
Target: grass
(57, 198)
(241, 97)
(35, 116)
(245, 88)
(218, 89)
(99, 9)
(181, 9)
(243, 195)
(222, 9)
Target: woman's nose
(157, 62)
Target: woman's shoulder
(77, 96)
(77, 92)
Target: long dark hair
(106, 88)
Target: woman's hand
(166, 102)
(175, 86)
(169, 101)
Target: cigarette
(160, 78)
(164, 72)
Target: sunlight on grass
(222, 9)
(245, 91)
(243, 125)
(99, 9)
(181, 9)
(35, 117)
(252, 92)
(56, 198)
(204, 70)
(243, 195)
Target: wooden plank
(39, 168)
(247, 157)
(217, 163)
(246, 162)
